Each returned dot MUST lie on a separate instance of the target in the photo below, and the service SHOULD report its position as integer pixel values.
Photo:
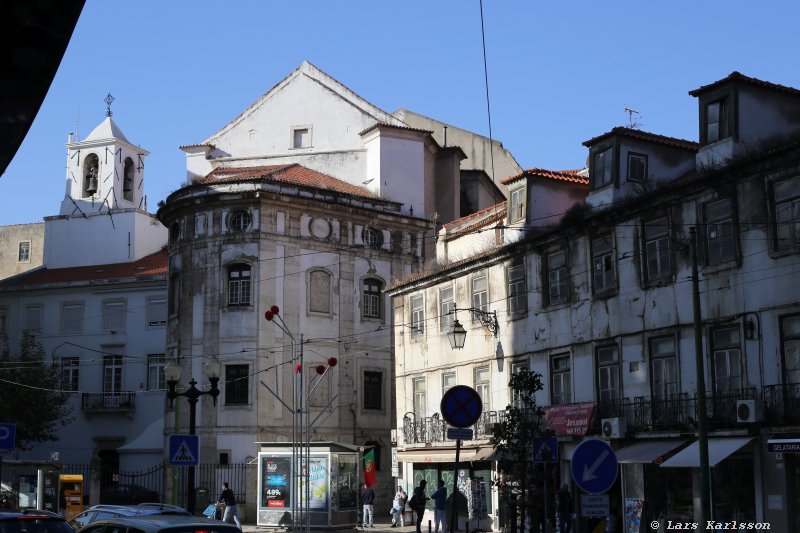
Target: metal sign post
(461, 407)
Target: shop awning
(718, 450)
(435, 456)
(647, 451)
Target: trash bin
(202, 500)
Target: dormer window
(716, 121)
(601, 171)
(127, 180)
(516, 205)
(637, 167)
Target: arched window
(319, 291)
(372, 238)
(239, 285)
(91, 172)
(371, 304)
(127, 180)
(240, 221)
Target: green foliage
(521, 423)
(32, 396)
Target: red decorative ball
(268, 315)
(274, 309)
(320, 369)
(298, 368)
(332, 362)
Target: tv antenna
(633, 121)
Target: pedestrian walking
(440, 507)
(399, 507)
(227, 499)
(417, 503)
(368, 501)
(564, 509)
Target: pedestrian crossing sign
(184, 450)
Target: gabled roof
(738, 76)
(645, 136)
(324, 79)
(560, 175)
(293, 174)
(146, 267)
(395, 126)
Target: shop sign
(395, 466)
(595, 505)
(783, 445)
(570, 419)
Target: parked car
(161, 524)
(128, 495)
(32, 521)
(101, 512)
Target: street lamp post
(458, 335)
(172, 373)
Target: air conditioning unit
(614, 428)
(748, 411)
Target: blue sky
(559, 72)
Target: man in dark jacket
(565, 509)
(417, 503)
(368, 501)
(227, 499)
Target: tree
(32, 395)
(513, 439)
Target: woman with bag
(399, 507)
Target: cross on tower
(109, 100)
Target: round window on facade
(372, 238)
(240, 221)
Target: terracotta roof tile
(151, 265)
(499, 207)
(645, 136)
(738, 76)
(195, 146)
(561, 175)
(291, 173)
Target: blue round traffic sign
(594, 466)
(461, 406)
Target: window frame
(663, 273)
(479, 297)
(372, 298)
(419, 398)
(123, 315)
(128, 179)
(708, 240)
(446, 304)
(517, 204)
(793, 224)
(70, 373)
(669, 387)
(80, 327)
(728, 350)
(562, 375)
(112, 371)
(516, 287)
(787, 337)
(39, 309)
(315, 276)
(27, 248)
(240, 397)
(373, 393)
(606, 259)
(417, 314)
(607, 167)
(236, 286)
(722, 128)
(445, 378)
(562, 296)
(612, 365)
(372, 238)
(155, 300)
(293, 136)
(632, 156)
(483, 386)
(156, 362)
(515, 396)
(240, 221)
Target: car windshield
(28, 524)
(211, 528)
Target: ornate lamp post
(458, 335)
(172, 373)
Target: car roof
(28, 513)
(141, 508)
(157, 522)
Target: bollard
(429, 526)
(466, 526)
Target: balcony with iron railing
(781, 404)
(431, 429)
(108, 402)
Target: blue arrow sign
(184, 450)
(461, 406)
(545, 450)
(594, 466)
(8, 437)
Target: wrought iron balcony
(432, 429)
(108, 402)
(781, 403)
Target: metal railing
(108, 401)
(431, 429)
(781, 403)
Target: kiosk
(72, 491)
(333, 478)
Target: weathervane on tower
(109, 100)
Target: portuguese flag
(369, 468)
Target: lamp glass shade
(213, 368)
(172, 371)
(457, 336)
